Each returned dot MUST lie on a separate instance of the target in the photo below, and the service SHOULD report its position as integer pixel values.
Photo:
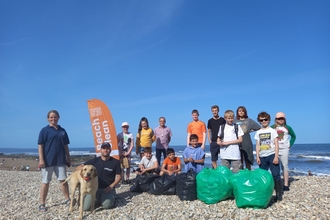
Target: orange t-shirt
(172, 165)
(198, 128)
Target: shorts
(47, 173)
(284, 158)
(235, 164)
(215, 150)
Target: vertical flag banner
(103, 127)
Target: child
(197, 127)
(125, 141)
(267, 151)
(286, 138)
(229, 142)
(213, 126)
(149, 163)
(171, 164)
(145, 137)
(248, 125)
(193, 156)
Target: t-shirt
(283, 137)
(146, 137)
(230, 152)
(106, 170)
(162, 135)
(125, 140)
(266, 141)
(148, 163)
(213, 125)
(198, 128)
(53, 142)
(196, 154)
(172, 165)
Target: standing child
(267, 151)
(213, 126)
(229, 137)
(144, 137)
(197, 127)
(193, 156)
(171, 164)
(248, 125)
(286, 138)
(125, 141)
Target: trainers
(286, 188)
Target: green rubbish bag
(252, 188)
(213, 185)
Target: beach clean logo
(100, 128)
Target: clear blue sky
(162, 58)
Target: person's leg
(164, 151)
(284, 157)
(88, 200)
(47, 173)
(236, 165)
(264, 163)
(108, 199)
(225, 163)
(214, 149)
(60, 172)
(128, 170)
(158, 155)
(242, 158)
(275, 170)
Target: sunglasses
(280, 118)
(262, 120)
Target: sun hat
(280, 115)
(124, 124)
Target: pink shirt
(162, 136)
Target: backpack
(222, 127)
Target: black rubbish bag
(143, 182)
(165, 185)
(186, 188)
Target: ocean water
(303, 157)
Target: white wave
(315, 157)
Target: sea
(302, 158)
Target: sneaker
(286, 188)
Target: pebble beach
(308, 198)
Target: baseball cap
(280, 115)
(105, 144)
(124, 124)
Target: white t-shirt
(230, 152)
(266, 141)
(124, 142)
(148, 163)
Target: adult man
(109, 175)
(213, 126)
(163, 136)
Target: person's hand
(108, 189)
(275, 161)
(203, 146)
(68, 160)
(41, 164)
(258, 161)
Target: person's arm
(209, 135)
(130, 147)
(204, 139)
(292, 134)
(67, 154)
(188, 138)
(275, 161)
(163, 169)
(154, 166)
(153, 137)
(137, 144)
(41, 156)
(200, 161)
(257, 151)
(236, 141)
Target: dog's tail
(67, 179)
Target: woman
(286, 138)
(53, 156)
(145, 137)
(248, 125)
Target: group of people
(228, 136)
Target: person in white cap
(286, 138)
(125, 141)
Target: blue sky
(162, 58)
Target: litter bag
(213, 185)
(143, 182)
(252, 188)
(165, 185)
(186, 185)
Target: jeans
(159, 153)
(267, 163)
(107, 200)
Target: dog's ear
(81, 173)
(95, 173)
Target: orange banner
(103, 127)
